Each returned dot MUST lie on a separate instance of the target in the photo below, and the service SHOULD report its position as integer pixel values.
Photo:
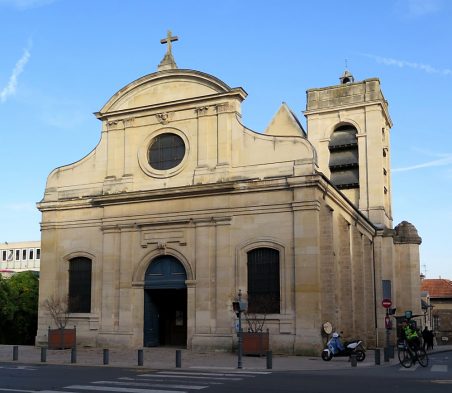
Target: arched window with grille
(263, 281)
(344, 159)
(79, 300)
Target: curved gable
(165, 86)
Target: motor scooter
(353, 347)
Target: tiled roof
(437, 288)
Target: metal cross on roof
(169, 38)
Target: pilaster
(307, 275)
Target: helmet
(335, 335)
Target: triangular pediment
(285, 123)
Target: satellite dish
(327, 327)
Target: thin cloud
(10, 88)
(25, 4)
(444, 161)
(419, 8)
(408, 64)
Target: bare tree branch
(58, 310)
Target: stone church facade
(179, 207)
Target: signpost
(386, 303)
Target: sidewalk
(165, 358)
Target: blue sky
(61, 60)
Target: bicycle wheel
(422, 357)
(404, 358)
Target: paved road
(46, 378)
(54, 379)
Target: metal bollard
(15, 352)
(74, 355)
(140, 357)
(269, 360)
(178, 358)
(386, 354)
(106, 356)
(391, 351)
(377, 356)
(43, 354)
(353, 360)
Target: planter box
(61, 338)
(255, 343)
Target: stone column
(224, 273)
(307, 276)
(191, 311)
(127, 318)
(115, 148)
(203, 275)
(224, 126)
(359, 321)
(110, 268)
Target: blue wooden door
(151, 322)
(164, 280)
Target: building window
(263, 281)
(31, 254)
(17, 255)
(80, 285)
(4, 253)
(344, 159)
(38, 253)
(24, 255)
(167, 151)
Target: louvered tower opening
(344, 160)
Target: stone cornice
(187, 103)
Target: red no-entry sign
(386, 303)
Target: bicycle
(407, 357)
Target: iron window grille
(79, 285)
(167, 151)
(263, 281)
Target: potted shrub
(256, 341)
(59, 338)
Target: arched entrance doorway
(165, 303)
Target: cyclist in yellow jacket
(410, 335)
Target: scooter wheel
(326, 356)
(360, 355)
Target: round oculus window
(166, 151)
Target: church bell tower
(349, 125)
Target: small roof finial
(168, 62)
(346, 77)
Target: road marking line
(155, 385)
(230, 370)
(439, 368)
(127, 390)
(204, 374)
(24, 368)
(443, 381)
(162, 379)
(188, 377)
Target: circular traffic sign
(386, 303)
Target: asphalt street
(27, 378)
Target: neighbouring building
(439, 293)
(18, 257)
(151, 236)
